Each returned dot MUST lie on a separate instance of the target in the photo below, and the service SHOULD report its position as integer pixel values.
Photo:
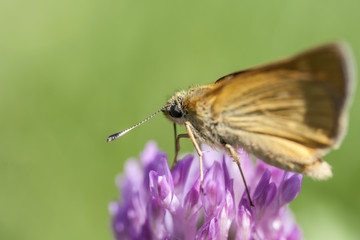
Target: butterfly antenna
(119, 134)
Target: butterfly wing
(288, 113)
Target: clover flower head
(160, 203)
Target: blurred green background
(73, 72)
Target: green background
(73, 72)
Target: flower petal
(210, 230)
(180, 173)
(149, 154)
(157, 219)
(291, 188)
(214, 188)
(261, 190)
(192, 203)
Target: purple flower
(159, 203)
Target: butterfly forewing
(288, 113)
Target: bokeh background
(73, 72)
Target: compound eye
(176, 111)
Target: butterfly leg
(188, 127)
(177, 146)
(234, 155)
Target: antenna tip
(112, 137)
